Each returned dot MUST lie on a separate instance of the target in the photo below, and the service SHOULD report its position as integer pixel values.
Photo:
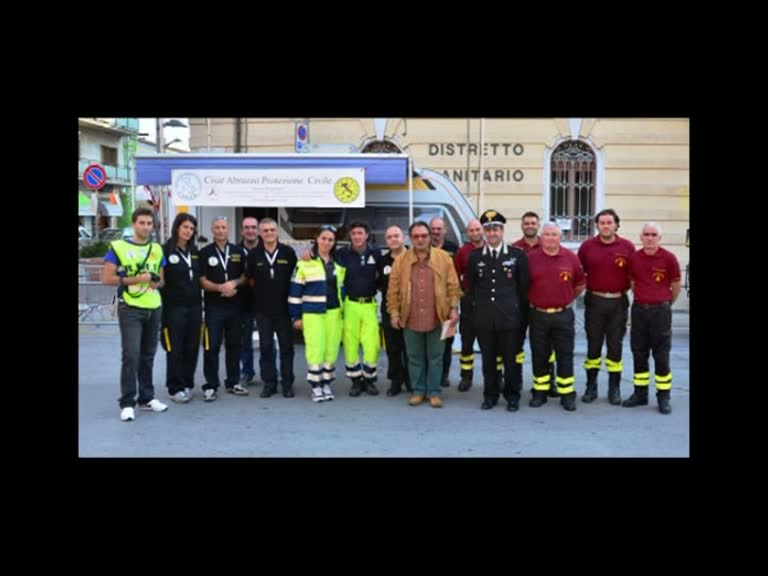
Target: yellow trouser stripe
(167, 337)
(552, 356)
(566, 380)
(642, 378)
(613, 366)
(468, 358)
(541, 383)
(464, 366)
(520, 358)
(565, 385)
(663, 382)
(591, 363)
(206, 340)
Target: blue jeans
(425, 360)
(139, 334)
(246, 354)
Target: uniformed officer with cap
(498, 282)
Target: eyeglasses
(328, 227)
(419, 236)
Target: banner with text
(319, 188)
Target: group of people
(493, 291)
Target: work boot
(568, 401)
(465, 384)
(357, 386)
(395, 387)
(662, 397)
(538, 399)
(614, 388)
(370, 388)
(639, 398)
(591, 393)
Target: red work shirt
(524, 246)
(606, 265)
(553, 278)
(653, 275)
(460, 261)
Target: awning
(379, 168)
(106, 208)
(86, 207)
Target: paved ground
(372, 426)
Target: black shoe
(444, 382)
(288, 391)
(357, 387)
(663, 400)
(487, 404)
(538, 399)
(638, 398)
(465, 384)
(370, 389)
(590, 394)
(568, 401)
(513, 405)
(394, 388)
(614, 394)
(269, 389)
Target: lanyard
(224, 261)
(271, 260)
(188, 260)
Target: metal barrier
(96, 303)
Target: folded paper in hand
(448, 330)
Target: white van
(385, 206)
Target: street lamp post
(161, 146)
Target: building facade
(565, 169)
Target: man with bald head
(655, 276)
(397, 369)
(467, 321)
(557, 278)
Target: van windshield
(304, 223)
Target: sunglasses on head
(328, 227)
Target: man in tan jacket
(423, 293)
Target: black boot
(591, 392)
(357, 386)
(553, 393)
(662, 397)
(538, 399)
(288, 390)
(370, 388)
(269, 389)
(466, 381)
(614, 388)
(639, 398)
(395, 387)
(568, 401)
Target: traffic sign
(94, 176)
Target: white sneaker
(327, 392)
(238, 390)
(127, 414)
(181, 396)
(189, 392)
(209, 395)
(317, 394)
(154, 405)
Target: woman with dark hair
(315, 304)
(182, 308)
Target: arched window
(572, 190)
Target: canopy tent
(379, 168)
